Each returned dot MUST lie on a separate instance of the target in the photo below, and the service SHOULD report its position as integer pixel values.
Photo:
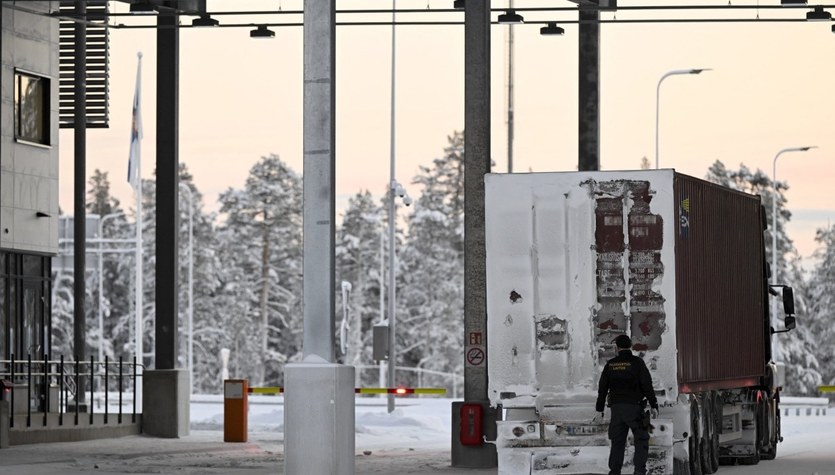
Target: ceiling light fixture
(262, 32)
(818, 14)
(551, 29)
(142, 7)
(204, 20)
(510, 17)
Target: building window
(31, 107)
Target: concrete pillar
(319, 425)
(477, 157)
(5, 413)
(165, 399)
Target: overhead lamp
(262, 32)
(142, 7)
(204, 20)
(551, 29)
(510, 17)
(818, 14)
(458, 4)
(793, 3)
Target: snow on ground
(413, 440)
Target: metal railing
(59, 386)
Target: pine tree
(263, 221)
(358, 253)
(430, 326)
(822, 296)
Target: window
(31, 108)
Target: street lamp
(101, 281)
(774, 265)
(187, 189)
(658, 99)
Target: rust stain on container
(640, 311)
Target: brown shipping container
(721, 322)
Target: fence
(796, 406)
(42, 387)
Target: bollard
(234, 410)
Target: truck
(575, 259)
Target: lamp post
(186, 188)
(101, 281)
(658, 100)
(774, 266)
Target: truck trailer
(576, 259)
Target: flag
(136, 130)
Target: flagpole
(137, 186)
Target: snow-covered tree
(431, 297)
(359, 241)
(822, 298)
(262, 253)
(797, 348)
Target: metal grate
(98, 66)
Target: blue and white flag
(136, 131)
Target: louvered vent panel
(98, 66)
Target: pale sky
(771, 87)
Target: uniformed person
(627, 382)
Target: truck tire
(770, 411)
(710, 436)
(681, 467)
(693, 441)
(755, 458)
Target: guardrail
(39, 387)
(808, 406)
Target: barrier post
(235, 410)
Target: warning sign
(475, 356)
(475, 338)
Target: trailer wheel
(710, 436)
(770, 414)
(693, 441)
(708, 424)
(755, 458)
(680, 467)
(716, 409)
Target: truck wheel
(693, 441)
(716, 407)
(707, 435)
(769, 423)
(755, 458)
(680, 467)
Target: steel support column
(588, 155)
(79, 183)
(167, 199)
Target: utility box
(381, 342)
(235, 410)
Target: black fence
(62, 387)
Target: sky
(770, 88)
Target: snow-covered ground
(413, 440)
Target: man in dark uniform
(626, 380)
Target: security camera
(399, 190)
(407, 200)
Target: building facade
(29, 104)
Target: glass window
(31, 107)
